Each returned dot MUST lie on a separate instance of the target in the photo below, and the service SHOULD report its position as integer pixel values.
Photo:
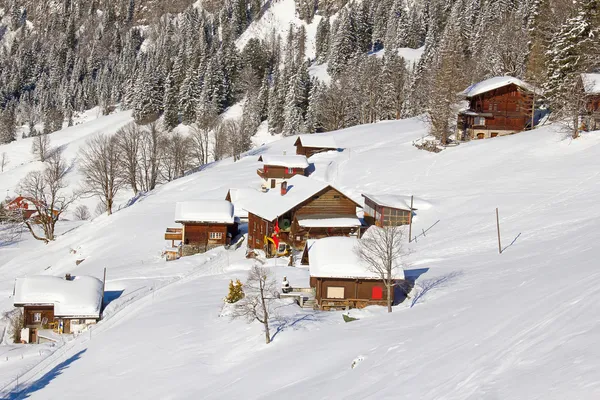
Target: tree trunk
(265, 313)
(109, 205)
(389, 297)
(33, 233)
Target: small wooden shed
(309, 145)
(341, 280)
(590, 84)
(387, 210)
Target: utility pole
(498, 226)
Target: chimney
(283, 188)
(68, 277)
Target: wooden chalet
(387, 210)
(205, 224)
(497, 106)
(308, 145)
(303, 209)
(340, 279)
(590, 84)
(53, 305)
(276, 169)
(239, 197)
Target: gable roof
(399, 202)
(591, 83)
(79, 297)
(336, 257)
(496, 83)
(272, 204)
(316, 141)
(293, 161)
(205, 211)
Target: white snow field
(524, 324)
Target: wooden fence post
(410, 220)
(498, 227)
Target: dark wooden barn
(387, 210)
(590, 84)
(308, 145)
(497, 106)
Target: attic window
(316, 197)
(336, 196)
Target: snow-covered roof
(400, 202)
(239, 197)
(79, 297)
(336, 257)
(316, 221)
(205, 211)
(316, 141)
(272, 204)
(292, 161)
(495, 83)
(591, 83)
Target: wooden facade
(382, 215)
(328, 203)
(41, 317)
(273, 174)
(199, 237)
(591, 119)
(340, 293)
(498, 112)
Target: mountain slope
(520, 325)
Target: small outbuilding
(53, 305)
(206, 224)
(309, 145)
(276, 169)
(387, 210)
(591, 88)
(342, 280)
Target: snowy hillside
(521, 325)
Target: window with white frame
(216, 235)
(479, 121)
(335, 292)
(37, 317)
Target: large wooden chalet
(497, 106)
(340, 279)
(54, 305)
(276, 169)
(309, 145)
(387, 210)
(591, 87)
(302, 209)
(206, 224)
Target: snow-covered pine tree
(171, 111)
(322, 40)
(344, 44)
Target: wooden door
(272, 183)
(33, 335)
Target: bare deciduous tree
(100, 165)
(4, 161)
(41, 146)
(176, 157)
(150, 156)
(238, 136)
(219, 148)
(82, 212)
(129, 139)
(257, 305)
(382, 249)
(47, 191)
(206, 122)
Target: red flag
(276, 228)
(276, 241)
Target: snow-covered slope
(521, 325)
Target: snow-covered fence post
(498, 227)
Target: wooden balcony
(174, 234)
